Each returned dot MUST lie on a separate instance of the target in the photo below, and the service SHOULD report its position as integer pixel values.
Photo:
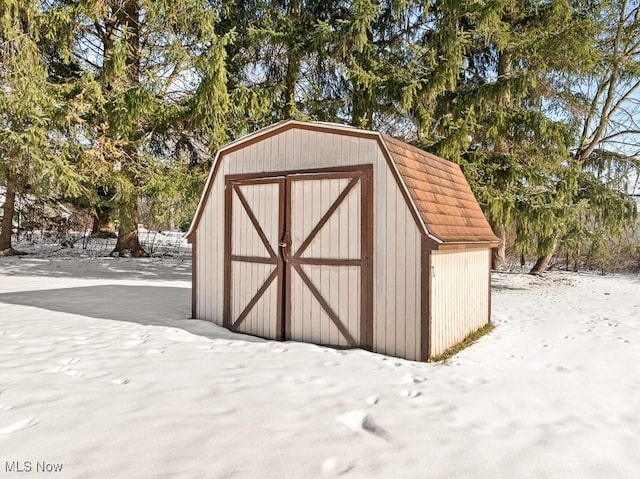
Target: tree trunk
(362, 111)
(499, 254)
(103, 224)
(128, 240)
(362, 101)
(293, 65)
(7, 219)
(290, 82)
(543, 262)
(501, 147)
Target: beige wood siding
(210, 256)
(396, 288)
(459, 296)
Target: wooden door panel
(246, 240)
(324, 305)
(312, 199)
(252, 309)
(339, 237)
(260, 198)
(326, 264)
(254, 268)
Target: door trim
(275, 258)
(283, 271)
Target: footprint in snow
(69, 361)
(371, 400)
(57, 370)
(333, 467)
(360, 421)
(120, 381)
(17, 426)
(559, 368)
(409, 393)
(411, 379)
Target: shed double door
(298, 251)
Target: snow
(102, 371)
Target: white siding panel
(210, 256)
(396, 268)
(460, 296)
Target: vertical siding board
(283, 149)
(212, 249)
(352, 214)
(379, 246)
(400, 255)
(409, 304)
(344, 278)
(207, 266)
(328, 191)
(352, 309)
(390, 337)
(313, 191)
(251, 160)
(216, 251)
(460, 295)
(418, 296)
(201, 270)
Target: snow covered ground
(102, 374)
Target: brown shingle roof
(441, 194)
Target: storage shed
(333, 235)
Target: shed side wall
(210, 256)
(396, 258)
(460, 296)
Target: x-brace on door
(298, 250)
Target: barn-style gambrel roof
(435, 189)
(441, 194)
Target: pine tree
(605, 108)
(501, 122)
(34, 156)
(156, 71)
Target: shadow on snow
(146, 305)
